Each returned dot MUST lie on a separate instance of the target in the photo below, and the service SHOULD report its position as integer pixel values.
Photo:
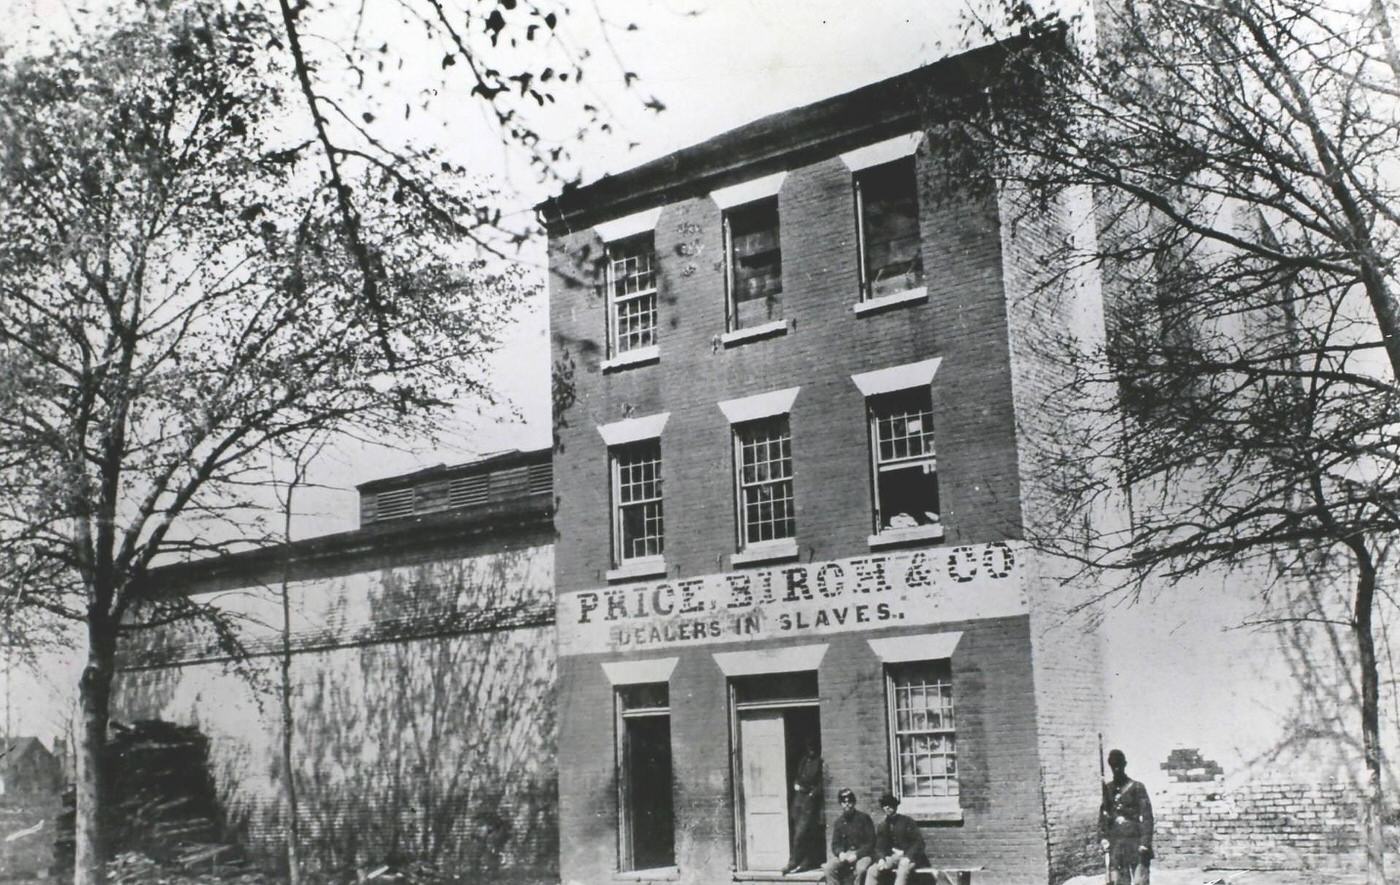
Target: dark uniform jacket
(1126, 814)
(854, 831)
(898, 831)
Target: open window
(632, 316)
(887, 215)
(646, 803)
(923, 736)
(754, 257)
(905, 463)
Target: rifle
(1107, 859)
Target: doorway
(775, 718)
(647, 803)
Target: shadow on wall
(426, 737)
(1299, 802)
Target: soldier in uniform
(1125, 825)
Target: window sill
(765, 551)
(643, 567)
(931, 813)
(753, 333)
(638, 357)
(658, 874)
(884, 302)
(894, 537)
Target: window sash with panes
(639, 526)
(923, 734)
(632, 322)
(887, 205)
(755, 260)
(764, 454)
(906, 466)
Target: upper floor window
(923, 734)
(887, 209)
(755, 259)
(638, 525)
(765, 501)
(906, 467)
(632, 322)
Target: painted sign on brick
(906, 588)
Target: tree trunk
(1373, 796)
(94, 697)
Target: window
(887, 208)
(647, 824)
(764, 454)
(631, 294)
(906, 469)
(923, 736)
(755, 259)
(638, 527)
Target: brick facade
(1026, 691)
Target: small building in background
(422, 673)
(28, 769)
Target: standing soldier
(1125, 825)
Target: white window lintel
(639, 672)
(628, 225)
(630, 430)
(748, 191)
(771, 660)
(760, 405)
(921, 647)
(892, 378)
(886, 151)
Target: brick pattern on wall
(963, 322)
(1068, 653)
(1280, 824)
(996, 732)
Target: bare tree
(180, 291)
(1245, 226)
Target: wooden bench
(946, 875)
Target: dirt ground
(1162, 876)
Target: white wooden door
(764, 766)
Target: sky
(715, 64)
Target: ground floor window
(646, 803)
(923, 735)
(778, 770)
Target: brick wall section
(996, 737)
(1283, 824)
(1068, 653)
(963, 322)
(409, 744)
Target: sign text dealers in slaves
(909, 588)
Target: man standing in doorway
(806, 853)
(899, 846)
(852, 844)
(1125, 825)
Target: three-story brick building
(794, 384)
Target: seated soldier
(899, 846)
(852, 844)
